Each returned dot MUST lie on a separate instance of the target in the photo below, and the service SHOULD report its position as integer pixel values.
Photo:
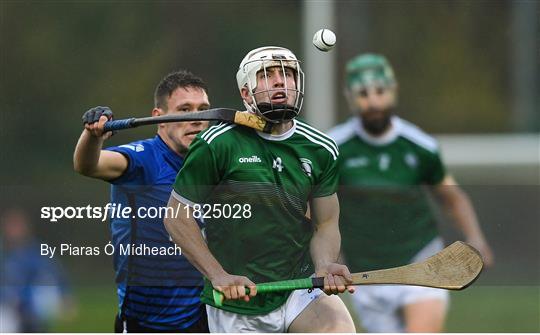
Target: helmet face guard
(259, 61)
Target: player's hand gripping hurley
(217, 114)
(453, 268)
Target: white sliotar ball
(324, 39)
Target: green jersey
(271, 179)
(385, 216)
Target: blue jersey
(159, 291)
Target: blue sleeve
(142, 166)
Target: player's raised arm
(459, 206)
(325, 245)
(186, 233)
(89, 159)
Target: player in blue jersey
(156, 293)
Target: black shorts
(133, 326)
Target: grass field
(510, 309)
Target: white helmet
(259, 60)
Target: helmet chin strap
(277, 113)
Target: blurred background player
(34, 290)
(156, 293)
(386, 166)
(277, 175)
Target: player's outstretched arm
(187, 235)
(456, 202)
(325, 246)
(89, 159)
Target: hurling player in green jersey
(257, 192)
(386, 166)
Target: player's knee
(338, 319)
(425, 316)
(341, 324)
(430, 324)
(424, 327)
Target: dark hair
(174, 80)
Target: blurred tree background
(59, 58)
(450, 58)
(454, 61)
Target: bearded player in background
(386, 166)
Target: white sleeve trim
(182, 199)
(342, 132)
(418, 136)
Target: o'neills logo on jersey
(252, 159)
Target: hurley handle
(118, 124)
(277, 286)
